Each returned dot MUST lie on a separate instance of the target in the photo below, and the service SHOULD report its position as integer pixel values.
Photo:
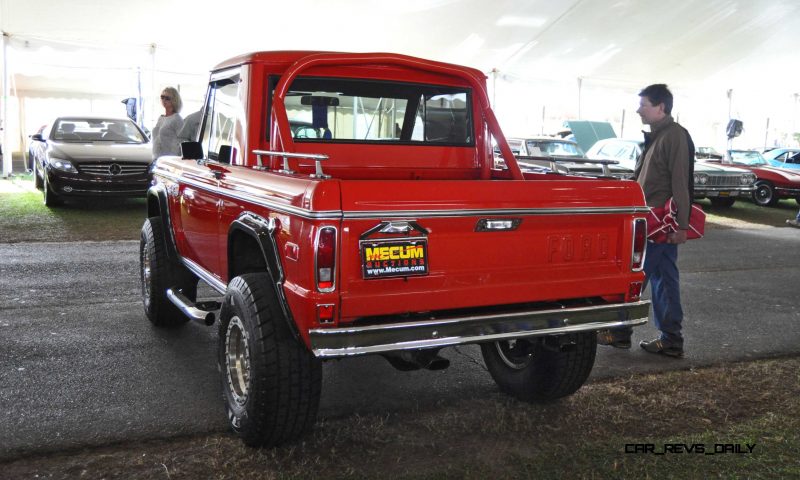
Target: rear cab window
(367, 111)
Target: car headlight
(700, 178)
(63, 165)
(748, 179)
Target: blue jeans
(661, 271)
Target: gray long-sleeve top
(165, 135)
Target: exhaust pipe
(190, 308)
(409, 360)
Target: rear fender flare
(261, 230)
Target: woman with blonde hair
(165, 133)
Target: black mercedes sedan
(82, 156)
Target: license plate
(394, 258)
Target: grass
(746, 214)
(582, 436)
(25, 218)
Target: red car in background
(772, 184)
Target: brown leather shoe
(606, 337)
(658, 346)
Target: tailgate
(421, 246)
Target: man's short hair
(658, 93)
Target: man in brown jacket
(664, 170)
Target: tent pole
(139, 113)
(153, 87)
(4, 119)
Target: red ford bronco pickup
(349, 204)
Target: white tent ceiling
(630, 41)
(106, 46)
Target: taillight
(639, 244)
(326, 259)
(634, 291)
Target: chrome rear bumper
(436, 333)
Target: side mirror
(226, 153)
(191, 151)
(37, 137)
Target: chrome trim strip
(139, 191)
(400, 214)
(435, 333)
(633, 244)
(349, 215)
(204, 275)
(723, 188)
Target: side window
(224, 117)
(794, 160)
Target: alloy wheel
(237, 360)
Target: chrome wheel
(237, 360)
(516, 354)
(146, 273)
(765, 194)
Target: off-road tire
(271, 382)
(722, 202)
(157, 273)
(546, 372)
(765, 195)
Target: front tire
(765, 194)
(541, 370)
(271, 382)
(37, 180)
(158, 273)
(51, 199)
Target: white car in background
(721, 184)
